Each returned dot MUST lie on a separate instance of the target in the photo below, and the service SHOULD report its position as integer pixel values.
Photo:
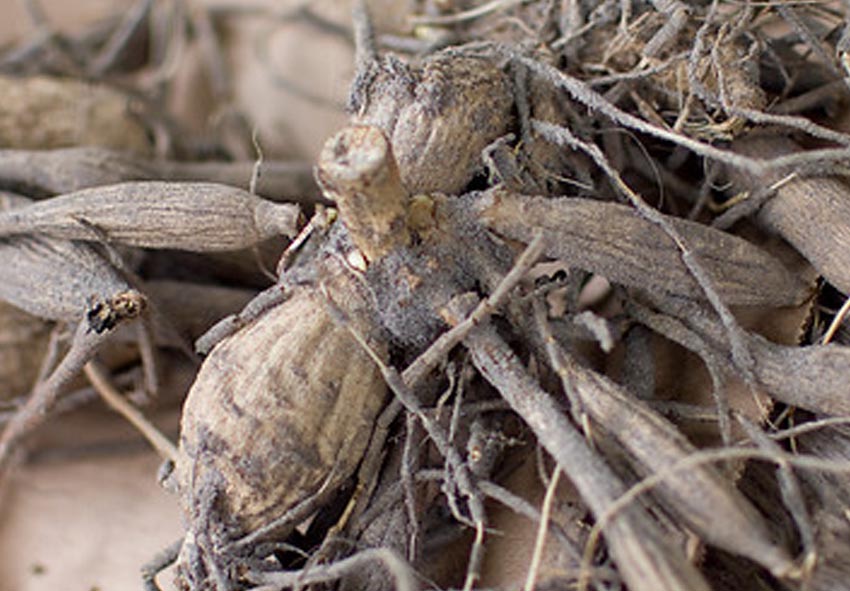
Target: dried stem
(706, 457)
(85, 345)
(691, 260)
(462, 478)
(97, 375)
(358, 170)
(836, 322)
(642, 555)
(540, 538)
(398, 569)
(789, 486)
(710, 506)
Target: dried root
(538, 208)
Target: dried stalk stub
(813, 214)
(41, 113)
(616, 242)
(439, 117)
(357, 169)
(200, 217)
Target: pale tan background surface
(86, 511)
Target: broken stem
(92, 332)
(358, 170)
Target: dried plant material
(616, 242)
(808, 376)
(813, 214)
(792, 496)
(737, 79)
(507, 557)
(50, 278)
(260, 438)
(290, 473)
(400, 573)
(827, 499)
(313, 359)
(55, 279)
(199, 217)
(709, 505)
(643, 557)
(43, 113)
(448, 110)
(693, 397)
(104, 386)
(682, 379)
(728, 72)
(360, 173)
(86, 291)
(65, 170)
(90, 335)
(296, 379)
(105, 315)
(276, 180)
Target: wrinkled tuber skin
(281, 411)
(447, 110)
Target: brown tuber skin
(447, 111)
(279, 414)
(279, 411)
